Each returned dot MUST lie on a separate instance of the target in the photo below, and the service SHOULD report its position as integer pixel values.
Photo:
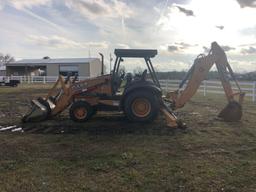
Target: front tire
(141, 106)
(80, 111)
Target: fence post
(254, 91)
(205, 85)
(166, 86)
(44, 80)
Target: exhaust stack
(102, 63)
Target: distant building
(2, 70)
(87, 67)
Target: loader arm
(198, 73)
(62, 94)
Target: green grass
(108, 153)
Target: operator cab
(131, 80)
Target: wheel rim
(141, 107)
(80, 113)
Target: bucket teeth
(40, 111)
(232, 112)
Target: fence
(38, 79)
(210, 86)
(168, 85)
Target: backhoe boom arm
(198, 72)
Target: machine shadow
(101, 125)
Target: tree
(4, 59)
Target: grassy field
(108, 153)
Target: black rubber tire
(152, 99)
(80, 104)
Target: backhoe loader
(141, 98)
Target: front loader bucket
(40, 111)
(232, 112)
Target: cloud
(227, 48)
(187, 12)
(59, 42)
(220, 27)
(178, 47)
(172, 65)
(100, 8)
(88, 8)
(183, 45)
(172, 48)
(242, 66)
(249, 30)
(206, 49)
(122, 46)
(174, 17)
(53, 41)
(247, 3)
(108, 16)
(247, 44)
(26, 5)
(102, 44)
(2, 4)
(42, 19)
(124, 23)
(18, 4)
(248, 51)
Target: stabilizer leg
(170, 118)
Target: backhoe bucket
(40, 111)
(232, 112)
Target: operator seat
(144, 75)
(117, 82)
(128, 79)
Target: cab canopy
(141, 53)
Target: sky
(179, 29)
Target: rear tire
(141, 106)
(80, 111)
